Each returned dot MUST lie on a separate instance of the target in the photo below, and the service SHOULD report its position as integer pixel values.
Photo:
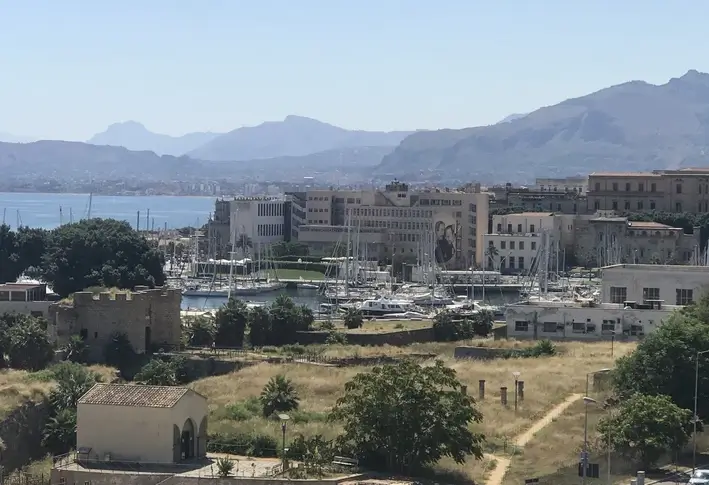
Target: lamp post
(516, 375)
(695, 418)
(284, 419)
(587, 400)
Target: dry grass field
(548, 382)
(18, 387)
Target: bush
(336, 338)
(257, 445)
(353, 318)
(243, 410)
(224, 466)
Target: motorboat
(383, 306)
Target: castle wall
(97, 317)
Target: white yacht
(383, 306)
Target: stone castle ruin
(149, 317)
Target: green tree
(644, 428)
(279, 396)
(76, 350)
(157, 372)
(60, 432)
(664, 363)
(201, 331)
(259, 320)
(482, 323)
(118, 351)
(100, 252)
(405, 417)
(72, 381)
(286, 320)
(230, 322)
(10, 263)
(353, 318)
(29, 347)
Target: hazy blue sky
(68, 68)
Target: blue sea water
(48, 211)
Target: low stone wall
(481, 353)
(22, 432)
(397, 338)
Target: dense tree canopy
(73, 257)
(644, 428)
(230, 321)
(404, 417)
(25, 342)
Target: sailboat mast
(91, 200)
(347, 257)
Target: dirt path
(503, 464)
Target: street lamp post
(695, 418)
(516, 375)
(587, 400)
(284, 419)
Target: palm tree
(491, 252)
(279, 395)
(353, 318)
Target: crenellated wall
(143, 314)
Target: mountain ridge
(634, 125)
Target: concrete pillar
(640, 479)
(520, 391)
(503, 395)
(481, 389)
(633, 482)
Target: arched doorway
(187, 440)
(176, 444)
(202, 439)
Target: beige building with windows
(674, 285)
(517, 239)
(396, 223)
(683, 190)
(141, 424)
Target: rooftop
(134, 395)
(625, 174)
(20, 286)
(675, 268)
(649, 225)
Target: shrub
(224, 466)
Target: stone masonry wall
(397, 338)
(97, 318)
(22, 432)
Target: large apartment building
(683, 190)
(395, 223)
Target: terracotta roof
(133, 395)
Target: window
(651, 294)
(598, 187)
(521, 245)
(652, 204)
(511, 262)
(596, 205)
(520, 265)
(641, 187)
(679, 188)
(678, 207)
(653, 187)
(521, 326)
(503, 244)
(534, 245)
(519, 227)
(619, 294)
(684, 297)
(499, 228)
(627, 186)
(608, 327)
(627, 205)
(549, 327)
(640, 205)
(512, 244)
(509, 228)
(531, 228)
(615, 205)
(615, 186)
(578, 327)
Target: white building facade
(258, 220)
(516, 239)
(673, 284)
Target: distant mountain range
(631, 126)
(10, 138)
(134, 136)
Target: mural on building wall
(446, 239)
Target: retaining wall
(397, 338)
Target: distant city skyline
(72, 68)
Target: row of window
(519, 228)
(608, 327)
(405, 225)
(318, 209)
(270, 210)
(515, 245)
(270, 230)
(442, 202)
(641, 187)
(377, 212)
(683, 296)
(511, 262)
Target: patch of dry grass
(18, 387)
(548, 381)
